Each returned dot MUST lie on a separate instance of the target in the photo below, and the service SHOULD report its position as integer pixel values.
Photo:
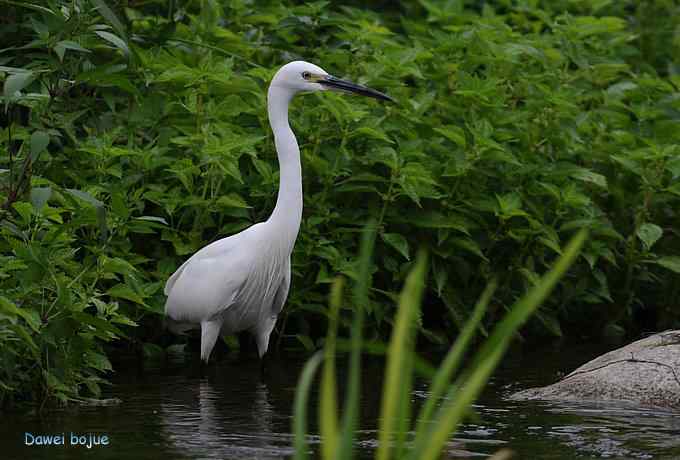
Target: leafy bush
(134, 134)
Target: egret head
(302, 76)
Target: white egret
(240, 283)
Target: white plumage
(241, 283)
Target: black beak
(337, 84)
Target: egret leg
(210, 331)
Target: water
(176, 411)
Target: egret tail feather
(210, 331)
(262, 335)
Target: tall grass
(453, 388)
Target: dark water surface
(175, 411)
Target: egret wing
(210, 280)
(219, 248)
(282, 291)
(215, 249)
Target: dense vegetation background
(135, 132)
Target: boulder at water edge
(645, 372)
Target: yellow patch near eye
(311, 77)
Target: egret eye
(306, 75)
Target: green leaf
(550, 322)
(11, 70)
(674, 189)
(115, 40)
(437, 220)
(156, 219)
(510, 205)
(453, 133)
(629, 164)
(152, 351)
(550, 242)
(30, 316)
(24, 209)
(469, 245)
(16, 82)
(673, 165)
(619, 89)
(398, 242)
(649, 234)
(39, 142)
(61, 47)
(117, 265)
(97, 361)
(110, 16)
(85, 196)
(123, 291)
(670, 262)
(586, 175)
(31, 6)
(102, 328)
(232, 200)
(40, 196)
(26, 337)
(374, 133)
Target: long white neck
(287, 214)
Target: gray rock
(646, 372)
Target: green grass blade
(398, 373)
(300, 404)
(468, 387)
(351, 412)
(328, 405)
(453, 358)
(403, 422)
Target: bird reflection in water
(202, 423)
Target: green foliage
(434, 425)
(136, 132)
